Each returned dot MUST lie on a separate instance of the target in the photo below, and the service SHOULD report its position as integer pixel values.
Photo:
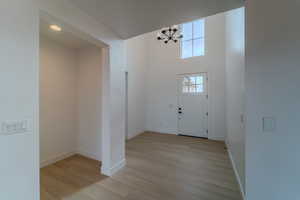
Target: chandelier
(171, 33)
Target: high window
(192, 43)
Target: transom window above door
(193, 43)
(193, 84)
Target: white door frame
(126, 105)
(209, 100)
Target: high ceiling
(129, 18)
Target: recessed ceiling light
(55, 28)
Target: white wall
(19, 168)
(70, 101)
(235, 90)
(137, 63)
(58, 100)
(89, 102)
(272, 90)
(165, 63)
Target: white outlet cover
(269, 124)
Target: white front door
(193, 105)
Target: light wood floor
(159, 167)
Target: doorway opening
(71, 107)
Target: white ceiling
(65, 37)
(129, 18)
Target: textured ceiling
(129, 18)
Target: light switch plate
(15, 127)
(269, 124)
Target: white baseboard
(162, 132)
(118, 166)
(114, 169)
(105, 171)
(216, 138)
(57, 158)
(176, 133)
(89, 155)
(236, 172)
(134, 135)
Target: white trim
(118, 166)
(55, 159)
(89, 155)
(134, 135)
(105, 171)
(114, 169)
(236, 172)
(126, 106)
(216, 138)
(207, 85)
(162, 132)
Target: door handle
(179, 110)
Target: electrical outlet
(15, 127)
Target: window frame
(193, 39)
(192, 83)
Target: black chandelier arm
(172, 34)
(174, 39)
(169, 34)
(165, 34)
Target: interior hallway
(159, 167)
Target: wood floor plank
(159, 167)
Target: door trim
(209, 102)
